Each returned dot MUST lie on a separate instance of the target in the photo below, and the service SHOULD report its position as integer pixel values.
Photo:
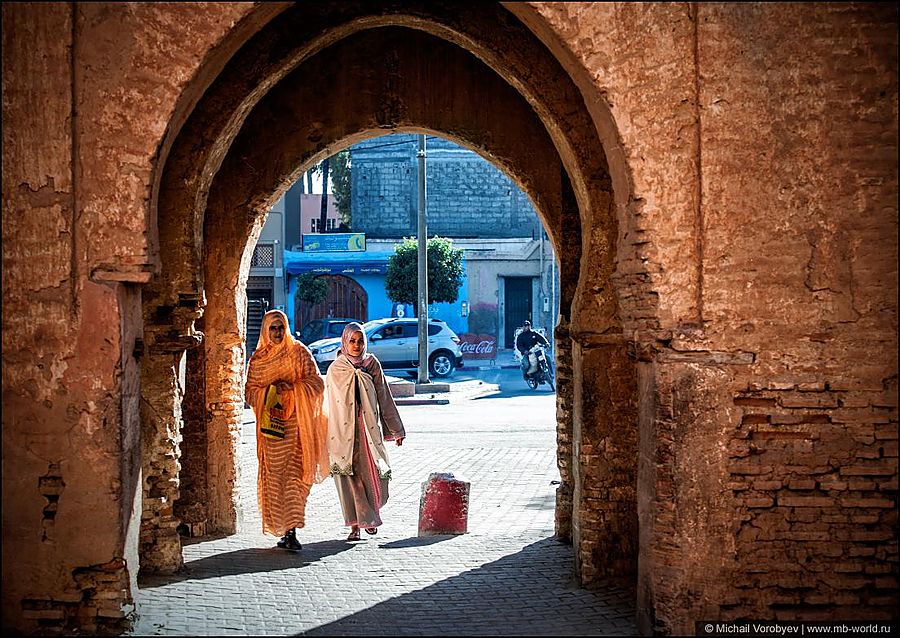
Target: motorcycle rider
(526, 340)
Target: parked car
(395, 342)
(318, 329)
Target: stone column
(604, 435)
(564, 414)
(163, 368)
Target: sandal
(371, 530)
(354, 535)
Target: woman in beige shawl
(358, 397)
(285, 390)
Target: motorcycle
(538, 369)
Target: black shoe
(283, 542)
(291, 543)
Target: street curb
(421, 401)
(501, 367)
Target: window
(336, 329)
(391, 332)
(263, 256)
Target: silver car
(396, 344)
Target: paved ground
(506, 576)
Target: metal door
(257, 305)
(517, 301)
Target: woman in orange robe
(285, 390)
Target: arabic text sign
(321, 242)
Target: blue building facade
(368, 269)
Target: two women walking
(307, 429)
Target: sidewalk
(506, 576)
(505, 358)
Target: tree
(445, 272)
(312, 290)
(340, 180)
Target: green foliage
(341, 185)
(311, 289)
(445, 271)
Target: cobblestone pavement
(506, 576)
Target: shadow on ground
(525, 391)
(529, 593)
(415, 541)
(246, 561)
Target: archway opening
(472, 74)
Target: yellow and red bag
(274, 415)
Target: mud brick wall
(191, 506)
(565, 401)
(731, 222)
(813, 470)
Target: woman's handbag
(272, 422)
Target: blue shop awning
(335, 262)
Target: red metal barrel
(444, 506)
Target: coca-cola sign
(478, 346)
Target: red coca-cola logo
(477, 346)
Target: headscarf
(265, 341)
(364, 356)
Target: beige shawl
(340, 401)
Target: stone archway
(491, 86)
(752, 271)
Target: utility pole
(422, 236)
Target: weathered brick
(809, 400)
(868, 470)
(757, 502)
(806, 501)
(867, 502)
(767, 485)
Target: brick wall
(813, 471)
(467, 195)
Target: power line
(412, 141)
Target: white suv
(396, 344)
